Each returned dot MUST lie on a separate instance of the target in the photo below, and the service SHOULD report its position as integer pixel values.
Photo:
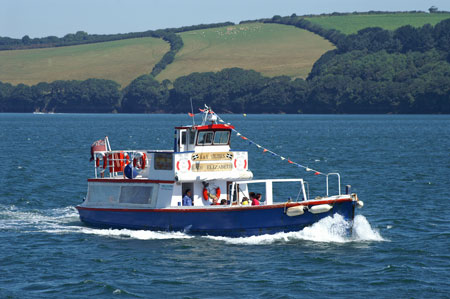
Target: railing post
(339, 181)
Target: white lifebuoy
(184, 165)
(240, 163)
(101, 156)
(140, 160)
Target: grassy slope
(271, 49)
(121, 61)
(352, 23)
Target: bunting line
(265, 150)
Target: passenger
(259, 197)
(215, 202)
(252, 197)
(223, 202)
(255, 201)
(187, 199)
(244, 201)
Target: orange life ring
(206, 194)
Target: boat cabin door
(186, 139)
(185, 187)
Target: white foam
(362, 231)
(135, 234)
(328, 230)
(57, 221)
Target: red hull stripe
(131, 181)
(227, 209)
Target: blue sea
(399, 165)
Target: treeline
(81, 37)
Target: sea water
(399, 245)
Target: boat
(146, 189)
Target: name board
(206, 167)
(212, 156)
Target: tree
(145, 95)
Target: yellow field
(121, 61)
(271, 49)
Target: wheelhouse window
(205, 137)
(221, 137)
(213, 137)
(191, 136)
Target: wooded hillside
(406, 70)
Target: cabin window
(136, 194)
(205, 137)
(183, 137)
(221, 137)
(103, 193)
(163, 161)
(191, 136)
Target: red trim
(209, 127)
(225, 209)
(131, 181)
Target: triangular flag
(308, 169)
(191, 115)
(283, 158)
(243, 137)
(238, 134)
(316, 173)
(265, 150)
(290, 161)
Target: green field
(349, 24)
(271, 49)
(121, 61)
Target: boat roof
(207, 127)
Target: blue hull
(235, 222)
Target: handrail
(339, 181)
(112, 159)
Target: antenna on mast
(192, 111)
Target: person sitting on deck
(255, 201)
(187, 199)
(244, 201)
(223, 202)
(259, 197)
